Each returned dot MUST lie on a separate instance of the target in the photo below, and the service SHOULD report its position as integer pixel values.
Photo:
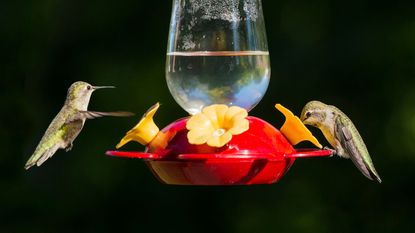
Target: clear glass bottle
(217, 53)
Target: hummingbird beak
(101, 87)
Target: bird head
(79, 94)
(314, 113)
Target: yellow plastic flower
(216, 124)
(145, 130)
(294, 130)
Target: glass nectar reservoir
(217, 53)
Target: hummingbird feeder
(218, 69)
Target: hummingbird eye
(88, 87)
(308, 114)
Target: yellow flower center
(218, 132)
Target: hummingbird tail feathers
(39, 157)
(366, 170)
(371, 174)
(375, 175)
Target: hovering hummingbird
(341, 133)
(66, 126)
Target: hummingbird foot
(69, 147)
(333, 151)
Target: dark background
(358, 55)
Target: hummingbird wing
(93, 114)
(353, 145)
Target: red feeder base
(261, 155)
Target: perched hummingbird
(66, 126)
(341, 133)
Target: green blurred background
(358, 55)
